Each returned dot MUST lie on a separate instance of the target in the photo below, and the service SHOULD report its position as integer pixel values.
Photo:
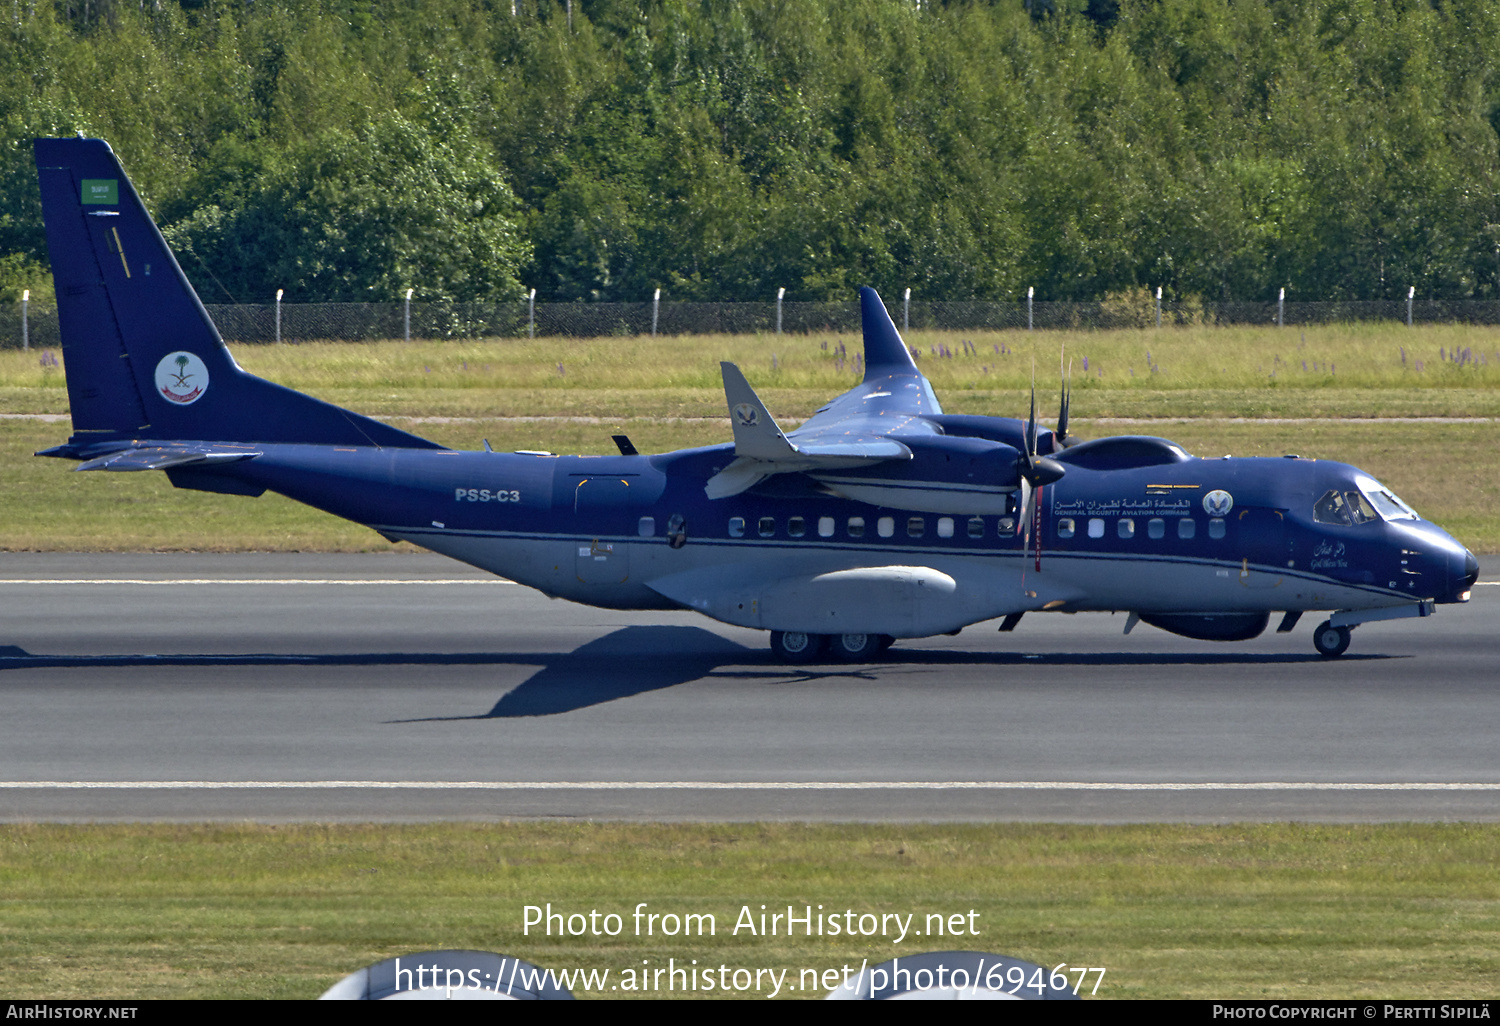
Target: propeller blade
(1031, 422)
(1066, 401)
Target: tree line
(347, 150)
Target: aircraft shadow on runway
(635, 660)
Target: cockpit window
(1360, 506)
(1333, 508)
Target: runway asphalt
(399, 687)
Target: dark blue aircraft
(880, 518)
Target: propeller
(1060, 436)
(1035, 471)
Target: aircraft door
(601, 560)
(1262, 538)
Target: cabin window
(1187, 527)
(825, 527)
(1216, 527)
(736, 527)
(856, 527)
(1065, 527)
(915, 527)
(646, 527)
(796, 527)
(886, 527)
(1096, 527)
(767, 526)
(945, 527)
(1125, 528)
(1005, 527)
(976, 527)
(1156, 527)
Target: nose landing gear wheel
(858, 648)
(798, 647)
(1330, 641)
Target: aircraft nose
(1470, 573)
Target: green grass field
(1276, 911)
(1352, 371)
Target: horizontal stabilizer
(162, 457)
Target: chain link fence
(366, 322)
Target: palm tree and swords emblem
(181, 378)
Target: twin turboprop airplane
(880, 518)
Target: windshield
(1370, 501)
(1384, 500)
(1390, 507)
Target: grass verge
(1322, 371)
(1273, 911)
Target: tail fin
(142, 357)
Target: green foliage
(20, 275)
(360, 215)
(1217, 148)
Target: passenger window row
(855, 527)
(1156, 527)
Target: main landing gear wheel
(1331, 641)
(798, 647)
(860, 648)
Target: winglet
(755, 432)
(885, 352)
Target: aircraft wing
(860, 427)
(761, 448)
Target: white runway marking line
(248, 580)
(719, 785)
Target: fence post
(1030, 291)
(1158, 306)
(906, 312)
(779, 294)
(278, 317)
(406, 317)
(1410, 295)
(1280, 308)
(655, 310)
(25, 328)
(531, 315)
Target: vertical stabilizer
(141, 355)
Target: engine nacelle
(946, 474)
(1214, 627)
